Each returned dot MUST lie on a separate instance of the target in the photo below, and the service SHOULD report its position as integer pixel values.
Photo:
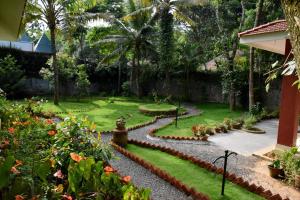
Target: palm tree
(167, 11)
(135, 30)
(52, 13)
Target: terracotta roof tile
(276, 26)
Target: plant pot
(275, 172)
(297, 181)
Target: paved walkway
(248, 143)
(250, 168)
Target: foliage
(11, 74)
(82, 81)
(42, 159)
(213, 115)
(290, 163)
(68, 71)
(256, 109)
(276, 164)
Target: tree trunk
(292, 14)
(137, 74)
(54, 66)
(167, 45)
(252, 51)
(119, 78)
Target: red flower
(52, 132)
(19, 197)
(59, 174)
(76, 157)
(108, 170)
(126, 179)
(49, 121)
(11, 130)
(67, 197)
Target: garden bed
(254, 130)
(212, 114)
(159, 109)
(191, 175)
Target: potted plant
(297, 176)
(275, 169)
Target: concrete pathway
(248, 143)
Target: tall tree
(230, 19)
(134, 37)
(259, 7)
(52, 13)
(292, 15)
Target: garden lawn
(104, 112)
(212, 114)
(192, 175)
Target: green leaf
(42, 170)
(5, 171)
(85, 167)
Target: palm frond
(182, 17)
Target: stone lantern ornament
(120, 134)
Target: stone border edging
(259, 190)
(253, 131)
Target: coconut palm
(166, 11)
(135, 31)
(53, 13)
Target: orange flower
(18, 163)
(108, 170)
(19, 197)
(76, 157)
(49, 121)
(11, 130)
(59, 174)
(52, 132)
(67, 197)
(14, 170)
(126, 179)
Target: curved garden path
(250, 168)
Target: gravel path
(250, 168)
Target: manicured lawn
(193, 176)
(104, 112)
(212, 114)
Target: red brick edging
(259, 190)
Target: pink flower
(59, 174)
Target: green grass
(201, 179)
(104, 112)
(158, 107)
(212, 114)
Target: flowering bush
(40, 159)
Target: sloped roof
(43, 45)
(25, 38)
(275, 26)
